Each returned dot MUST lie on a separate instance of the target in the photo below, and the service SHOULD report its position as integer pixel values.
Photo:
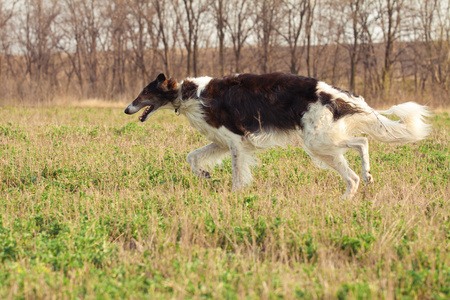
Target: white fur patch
(335, 93)
(326, 88)
(201, 82)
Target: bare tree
(6, 13)
(189, 26)
(367, 48)
(433, 50)
(139, 29)
(118, 11)
(163, 20)
(239, 27)
(37, 36)
(390, 18)
(73, 31)
(220, 14)
(354, 11)
(82, 24)
(267, 14)
(294, 18)
(350, 23)
(309, 23)
(90, 41)
(323, 36)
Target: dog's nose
(131, 109)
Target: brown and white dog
(242, 114)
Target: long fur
(243, 114)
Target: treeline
(111, 48)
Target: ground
(95, 204)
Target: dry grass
(94, 204)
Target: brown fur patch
(172, 84)
(338, 107)
(188, 90)
(249, 103)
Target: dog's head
(159, 93)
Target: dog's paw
(368, 178)
(204, 174)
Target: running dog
(246, 113)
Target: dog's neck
(178, 101)
(185, 104)
(187, 107)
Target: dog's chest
(198, 122)
(221, 135)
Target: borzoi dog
(242, 114)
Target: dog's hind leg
(361, 144)
(339, 164)
(204, 157)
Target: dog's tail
(410, 127)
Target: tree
(163, 20)
(82, 25)
(5, 16)
(434, 31)
(294, 18)
(220, 15)
(37, 36)
(390, 18)
(309, 25)
(140, 31)
(354, 11)
(239, 27)
(118, 11)
(191, 19)
(266, 20)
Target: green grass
(95, 204)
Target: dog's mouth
(146, 112)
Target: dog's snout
(131, 109)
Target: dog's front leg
(206, 156)
(236, 168)
(240, 167)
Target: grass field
(95, 204)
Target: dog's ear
(172, 84)
(167, 85)
(161, 77)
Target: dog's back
(249, 103)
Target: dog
(245, 113)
